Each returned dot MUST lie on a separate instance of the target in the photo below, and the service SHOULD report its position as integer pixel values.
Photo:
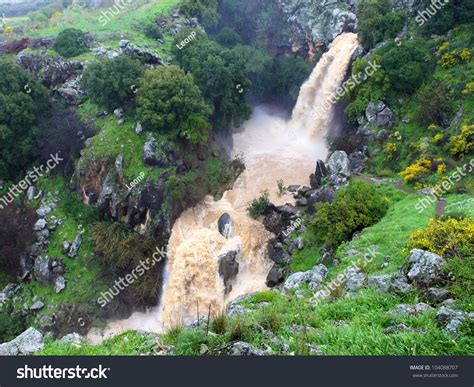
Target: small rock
(37, 306)
(59, 284)
(39, 225)
(27, 343)
(225, 225)
(436, 295)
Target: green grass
(82, 274)
(113, 140)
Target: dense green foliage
(112, 83)
(168, 101)
(123, 251)
(70, 42)
(356, 207)
(453, 13)
(378, 22)
(23, 103)
(153, 31)
(402, 71)
(222, 77)
(204, 10)
(257, 207)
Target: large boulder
(276, 275)
(339, 164)
(390, 283)
(424, 267)
(228, 267)
(277, 253)
(28, 343)
(378, 114)
(225, 225)
(316, 179)
(148, 56)
(313, 277)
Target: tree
(70, 42)
(169, 101)
(222, 77)
(377, 21)
(204, 10)
(111, 83)
(23, 103)
(406, 66)
(227, 37)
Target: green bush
(11, 325)
(378, 22)
(23, 103)
(259, 206)
(153, 31)
(70, 42)
(111, 83)
(168, 101)
(356, 207)
(228, 37)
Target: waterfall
(273, 148)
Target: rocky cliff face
(314, 24)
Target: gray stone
(42, 269)
(451, 319)
(358, 161)
(139, 128)
(59, 284)
(339, 164)
(225, 225)
(424, 267)
(37, 306)
(28, 343)
(436, 295)
(39, 225)
(73, 338)
(276, 275)
(355, 279)
(377, 113)
(228, 267)
(316, 179)
(241, 348)
(76, 244)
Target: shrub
(110, 83)
(435, 104)
(70, 42)
(11, 324)
(358, 206)
(377, 21)
(168, 101)
(421, 168)
(23, 103)
(259, 206)
(228, 37)
(462, 144)
(448, 238)
(123, 251)
(153, 31)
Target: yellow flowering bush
(463, 143)
(443, 48)
(9, 30)
(468, 89)
(448, 238)
(453, 57)
(442, 168)
(437, 138)
(415, 171)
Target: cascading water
(273, 148)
